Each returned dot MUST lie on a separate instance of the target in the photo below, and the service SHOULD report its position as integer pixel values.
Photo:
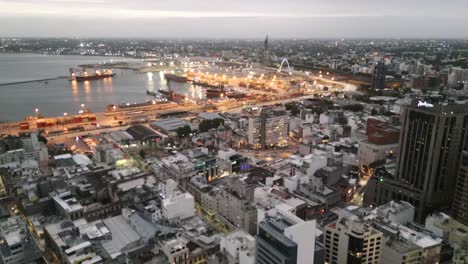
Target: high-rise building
(378, 79)
(432, 139)
(285, 239)
(268, 128)
(352, 240)
(460, 202)
(265, 58)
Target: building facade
(432, 140)
(378, 79)
(285, 239)
(352, 240)
(460, 202)
(268, 128)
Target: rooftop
(171, 124)
(141, 132)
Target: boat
(214, 93)
(161, 91)
(127, 106)
(85, 76)
(235, 95)
(174, 77)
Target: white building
(68, 205)
(400, 213)
(369, 152)
(178, 207)
(238, 247)
(32, 149)
(168, 188)
(268, 128)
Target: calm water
(55, 97)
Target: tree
(207, 124)
(374, 112)
(42, 139)
(354, 107)
(293, 107)
(183, 131)
(342, 120)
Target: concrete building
(28, 148)
(178, 207)
(177, 167)
(71, 247)
(432, 140)
(232, 204)
(267, 128)
(68, 205)
(460, 202)
(238, 247)
(402, 241)
(454, 232)
(352, 240)
(401, 213)
(176, 250)
(17, 245)
(285, 238)
(378, 79)
(401, 251)
(369, 153)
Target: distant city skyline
(234, 19)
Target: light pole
(64, 119)
(82, 110)
(37, 112)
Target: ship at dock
(84, 75)
(220, 93)
(175, 78)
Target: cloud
(220, 18)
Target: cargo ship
(85, 76)
(214, 93)
(128, 106)
(217, 93)
(235, 95)
(176, 78)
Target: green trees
(208, 124)
(293, 107)
(354, 107)
(183, 131)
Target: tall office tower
(286, 239)
(378, 79)
(460, 202)
(266, 59)
(351, 240)
(432, 140)
(268, 127)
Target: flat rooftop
(171, 124)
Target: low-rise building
(17, 245)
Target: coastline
(37, 80)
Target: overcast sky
(235, 18)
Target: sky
(234, 18)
